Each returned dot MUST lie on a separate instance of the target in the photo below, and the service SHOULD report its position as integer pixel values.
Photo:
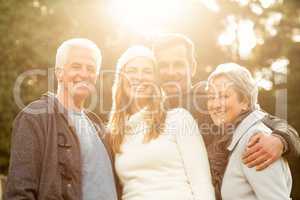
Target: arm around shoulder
(287, 132)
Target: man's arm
(25, 158)
(281, 128)
(263, 150)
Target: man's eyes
(179, 64)
(79, 67)
(91, 69)
(76, 67)
(212, 97)
(130, 71)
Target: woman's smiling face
(139, 78)
(224, 102)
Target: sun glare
(145, 16)
(211, 5)
(153, 16)
(239, 33)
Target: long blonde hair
(120, 109)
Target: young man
(58, 149)
(176, 65)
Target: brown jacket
(45, 160)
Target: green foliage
(32, 30)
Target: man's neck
(174, 101)
(69, 102)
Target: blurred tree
(31, 30)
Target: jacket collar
(244, 126)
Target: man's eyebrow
(75, 63)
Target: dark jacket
(45, 160)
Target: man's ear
(246, 103)
(59, 74)
(194, 68)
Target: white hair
(241, 79)
(64, 48)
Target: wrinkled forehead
(220, 84)
(81, 55)
(175, 51)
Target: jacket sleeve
(194, 155)
(282, 128)
(24, 168)
(274, 182)
(270, 183)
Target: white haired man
(58, 149)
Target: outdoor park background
(263, 35)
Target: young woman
(158, 154)
(232, 105)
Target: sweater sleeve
(194, 156)
(276, 177)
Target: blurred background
(263, 35)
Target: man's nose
(84, 72)
(217, 104)
(170, 70)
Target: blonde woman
(158, 154)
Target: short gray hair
(241, 79)
(63, 49)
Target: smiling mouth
(172, 81)
(82, 83)
(139, 88)
(219, 113)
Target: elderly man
(176, 65)
(58, 148)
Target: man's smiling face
(79, 74)
(174, 70)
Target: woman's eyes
(212, 97)
(146, 71)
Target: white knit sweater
(172, 167)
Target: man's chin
(81, 93)
(171, 91)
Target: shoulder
(34, 110)
(180, 119)
(94, 117)
(36, 107)
(179, 114)
(258, 127)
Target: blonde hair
(120, 110)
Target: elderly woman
(232, 105)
